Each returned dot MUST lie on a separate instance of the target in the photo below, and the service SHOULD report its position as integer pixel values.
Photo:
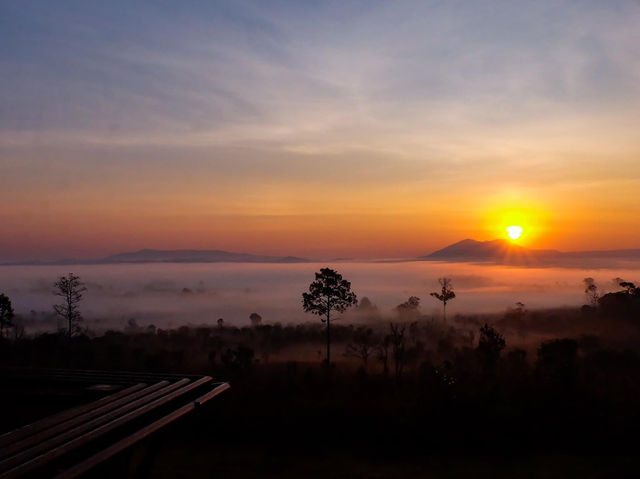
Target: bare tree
(382, 353)
(362, 346)
(446, 294)
(6, 314)
(18, 329)
(70, 288)
(329, 292)
(398, 346)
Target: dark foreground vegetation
(551, 393)
(531, 394)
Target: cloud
(243, 103)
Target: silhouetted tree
(18, 329)
(220, 322)
(622, 304)
(6, 314)
(630, 288)
(490, 345)
(445, 295)
(366, 306)
(255, 319)
(362, 345)
(409, 307)
(329, 292)
(398, 345)
(382, 350)
(591, 291)
(70, 288)
(517, 312)
(132, 325)
(515, 318)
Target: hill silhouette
(505, 252)
(174, 256)
(196, 256)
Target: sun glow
(516, 218)
(514, 232)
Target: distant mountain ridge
(176, 256)
(468, 250)
(196, 256)
(504, 252)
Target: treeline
(396, 391)
(421, 385)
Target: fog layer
(174, 294)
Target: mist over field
(169, 295)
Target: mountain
(493, 251)
(504, 252)
(178, 256)
(196, 256)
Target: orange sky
(386, 131)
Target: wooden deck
(73, 441)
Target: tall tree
(6, 314)
(70, 289)
(445, 295)
(329, 292)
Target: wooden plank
(78, 441)
(90, 375)
(49, 421)
(85, 418)
(44, 444)
(128, 441)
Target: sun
(514, 232)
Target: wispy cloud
(384, 100)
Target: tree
(366, 306)
(255, 319)
(630, 288)
(399, 346)
(329, 292)
(6, 314)
(621, 304)
(382, 353)
(70, 288)
(591, 291)
(446, 294)
(362, 346)
(490, 345)
(516, 313)
(409, 307)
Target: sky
(319, 129)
